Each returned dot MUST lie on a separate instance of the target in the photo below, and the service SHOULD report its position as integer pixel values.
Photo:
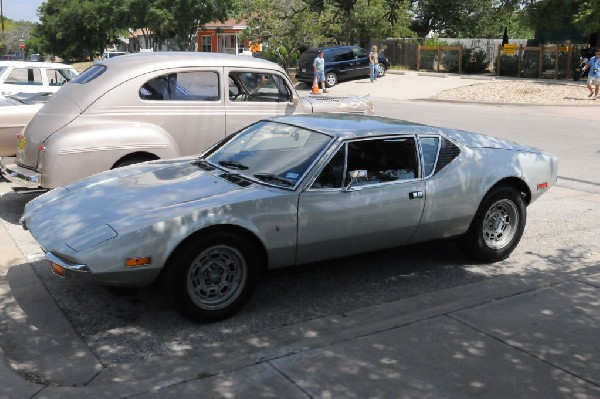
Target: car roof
(346, 125)
(151, 61)
(34, 64)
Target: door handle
(415, 194)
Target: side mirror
(354, 175)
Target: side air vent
(448, 152)
(203, 165)
(236, 179)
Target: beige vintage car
(149, 106)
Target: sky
(21, 9)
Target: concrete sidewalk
(534, 336)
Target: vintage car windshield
(273, 153)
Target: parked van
(341, 63)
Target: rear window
(308, 56)
(90, 74)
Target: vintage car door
(193, 95)
(381, 210)
(253, 94)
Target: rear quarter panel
(453, 194)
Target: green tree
(587, 17)
(469, 18)
(285, 28)
(76, 29)
(176, 22)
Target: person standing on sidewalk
(593, 74)
(319, 67)
(374, 63)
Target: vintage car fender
(64, 157)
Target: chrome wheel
(216, 277)
(500, 224)
(497, 226)
(331, 79)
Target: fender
(87, 149)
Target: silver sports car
(287, 191)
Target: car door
(361, 62)
(254, 94)
(379, 210)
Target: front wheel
(497, 227)
(211, 276)
(331, 79)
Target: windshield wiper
(272, 177)
(233, 164)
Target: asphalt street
(380, 325)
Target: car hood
(122, 197)
(322, 103)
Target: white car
(33, 77)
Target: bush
(472, 61)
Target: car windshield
(272, 153)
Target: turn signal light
(542, 186)
(135, 262)
(58, 269)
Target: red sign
(22, 45)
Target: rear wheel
(331, 79)
(381, 70)
(497, 227)
(212, 276)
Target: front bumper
(16, 174)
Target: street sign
(22, 45)
(509, 49)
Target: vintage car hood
(322, 103)
(121, 195)
(475, 140)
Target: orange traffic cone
(315, 87)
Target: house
(224, 37)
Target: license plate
(21, 143)
(304, 71)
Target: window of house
(182, 86)
(207, 44)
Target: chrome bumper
(16, 174)
(67, 265)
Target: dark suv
(341, 63)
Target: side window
(56, 77)
(25, 76)
(385, 160)
(258, 87)
(182, 86)
(360, 52)
(429, 147)
(332, 175)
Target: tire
(331, 79)
(211, 276)
(381, 70)
(497, 227)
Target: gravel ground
(521, 91)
